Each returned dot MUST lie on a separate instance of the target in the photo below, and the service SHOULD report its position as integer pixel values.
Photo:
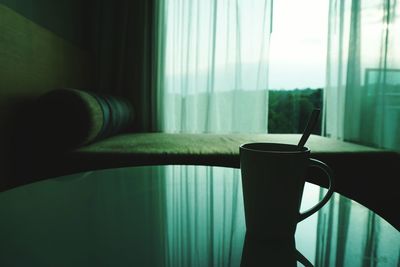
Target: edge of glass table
(170, 215)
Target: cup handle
(324, 200)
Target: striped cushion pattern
(70, 118)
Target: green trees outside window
(289, 109)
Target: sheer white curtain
(213, 78)
(362, 99)
(362, 104)
(215, 65)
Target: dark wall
(101, 45)
(43, 46)
(65, 18)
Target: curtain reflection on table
(204, 215)
(205, 224)
(350, 235)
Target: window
(227, 59)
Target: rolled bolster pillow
(70, 118)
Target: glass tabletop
(171, 216)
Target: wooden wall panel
(33, 60)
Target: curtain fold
(123, 41)
(362, 100)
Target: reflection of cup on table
(273, 177)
